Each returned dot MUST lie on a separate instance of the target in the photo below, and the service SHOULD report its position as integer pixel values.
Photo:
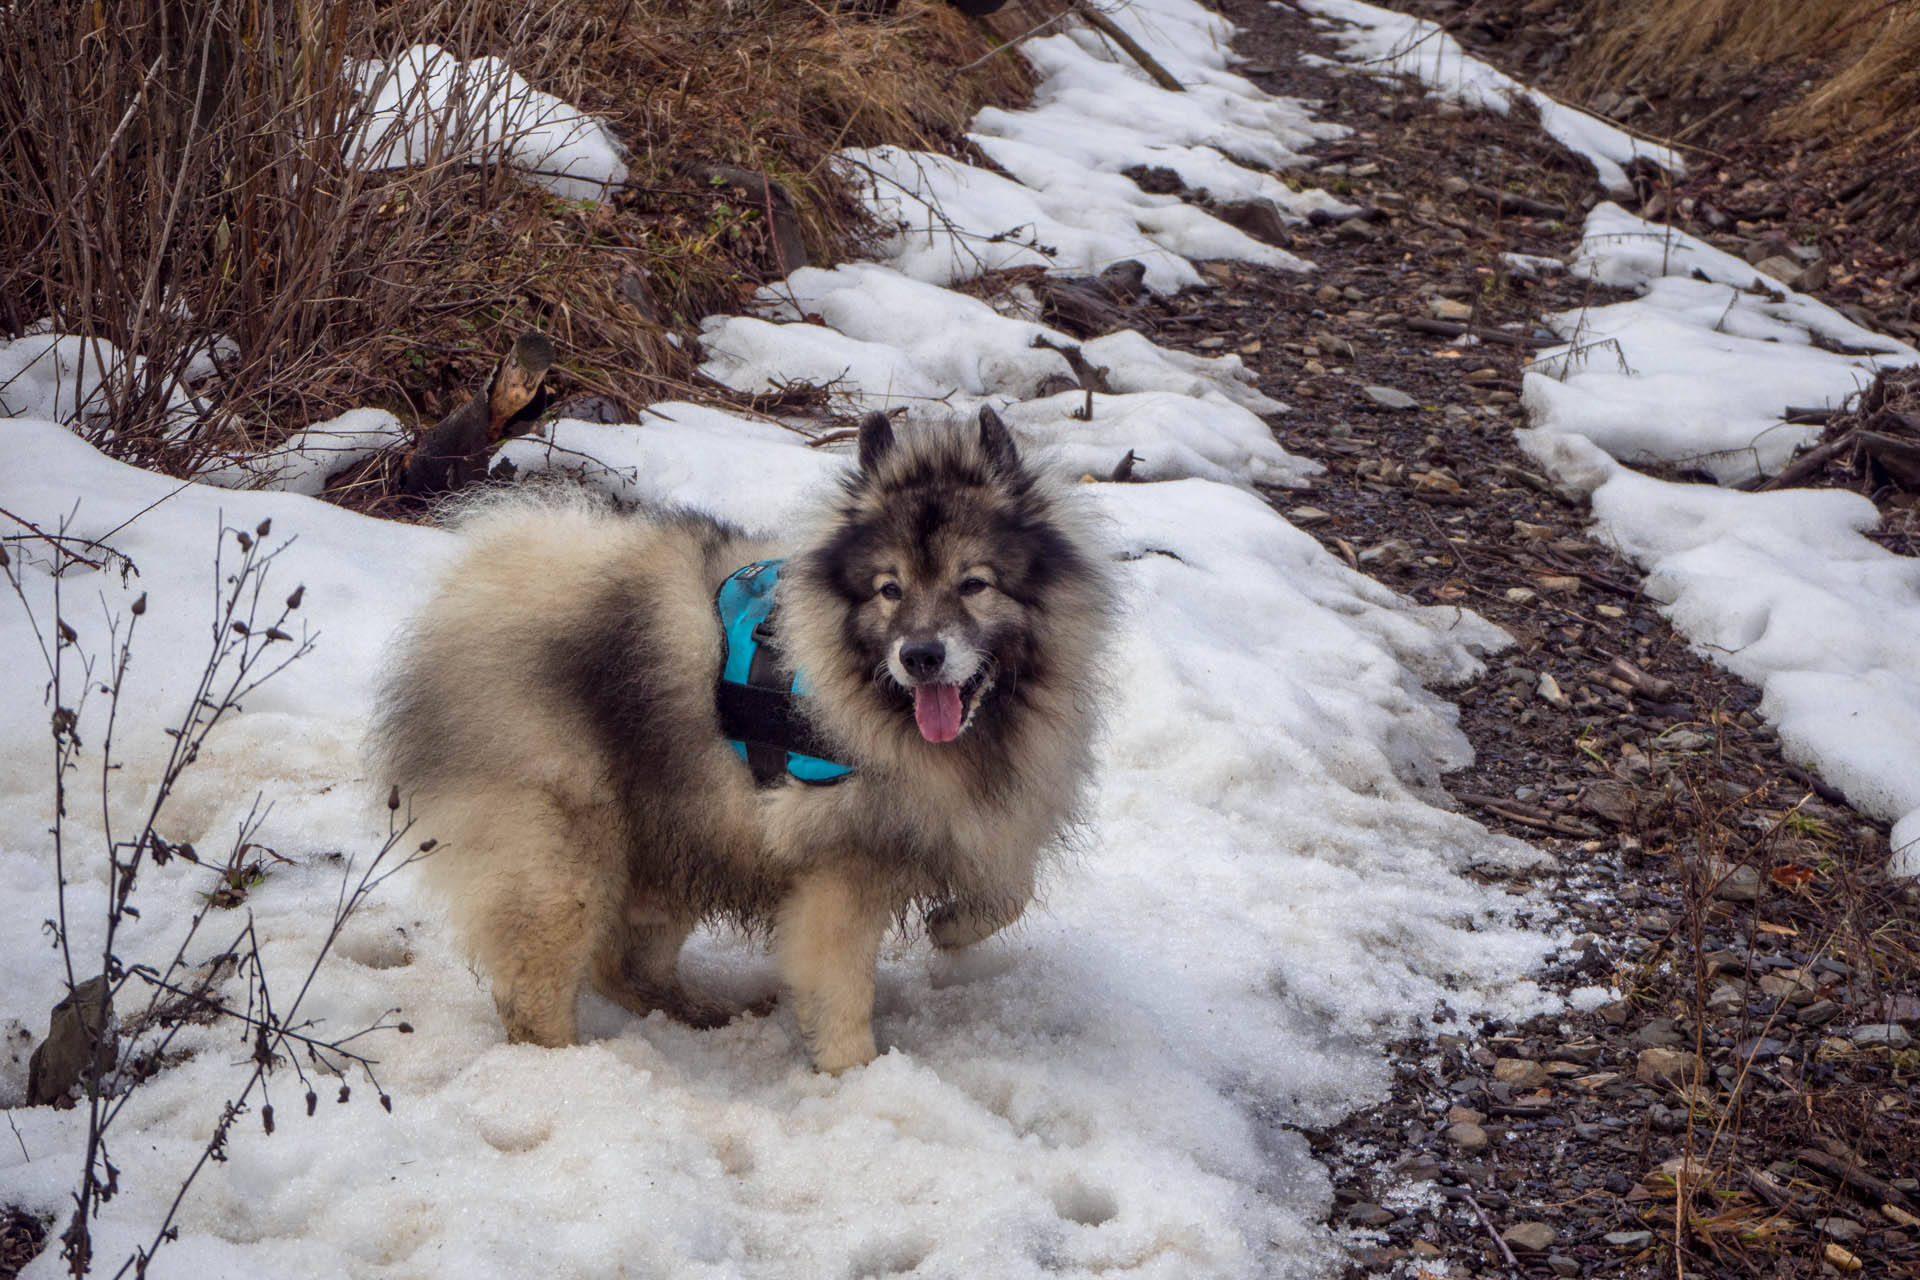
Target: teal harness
(762, 704)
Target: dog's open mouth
(941, 710)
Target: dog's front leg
(965, 921)
(827, 941)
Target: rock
(1326, 293)
(1519, 1073)
(1890, 1035)
(1682, 739)
(1301, 517)
(1464, 1115)
(1455, 185)
(81, 1033)
(1521, 595)
(1845, 1230)
(1616, 1013)
(1791, 986)
(1819, 1013)
(1388, 398)
(1629, 1239)
(1448, 309)
(1467, 1137)
(1739, 883)
(1561, 1265)
(1783, 269)
(1658, 1033)
(1841, 1259)
(1665, 1066)
(1758, 1047)
(1530, 1237)
(1369, 1215)
(1426, 1249)
(1609, 801)
(1385, 555)
(1548, 690)
(1354, 229)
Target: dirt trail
(1735, 902)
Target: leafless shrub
(252, 639)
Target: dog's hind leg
(827, 941)
(535, 903)
(637, 966)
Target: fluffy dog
(554, 721)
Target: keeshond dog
(571, 719)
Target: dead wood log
(1453, 329)
(1092, 305)
(1850, 1172)
(1512, 202)
(1111, 30)
(453, 452)
(1898, 456)
(768, 196)
(1092, 377)
(1805, 467)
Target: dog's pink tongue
(936, 709)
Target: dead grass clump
(1861, 56)
(178, 173)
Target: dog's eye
(890, 590)
(974, 586)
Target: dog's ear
(996, 441)
(876, 438)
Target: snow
(1778, 587)
(1389, 43)
(307, 458)
(1267, 894)
(426, 106)
(67, 378)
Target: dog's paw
(853, 1051)
(951, 926)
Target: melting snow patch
(1701, 368)
(427, 106)
(1390, 43)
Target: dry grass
(174, 170)
(1862, 57)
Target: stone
(1665, 1066)
(1519, 1073)
(1369, 1215)
(1301, 517)
(1616, 1013)
(1819, 1013)
(1657, 1033)
(1520, 595)
(1388, 398)
(1845, 1230)
(1561, 1265)
(1739, 883)
(1467, 1137)
(1781, 268)
(1889, 1035)
(1530, 1237)
(1629, 1239)
(1448, 309)
(1354, 229)
(1464, 1115)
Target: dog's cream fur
(552, 722)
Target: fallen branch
(1453, 329)
(1111, 30)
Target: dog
(559, 720)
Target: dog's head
(942, 560)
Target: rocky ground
(1746, 1106)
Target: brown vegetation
(175, 171)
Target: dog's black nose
(923, 658)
